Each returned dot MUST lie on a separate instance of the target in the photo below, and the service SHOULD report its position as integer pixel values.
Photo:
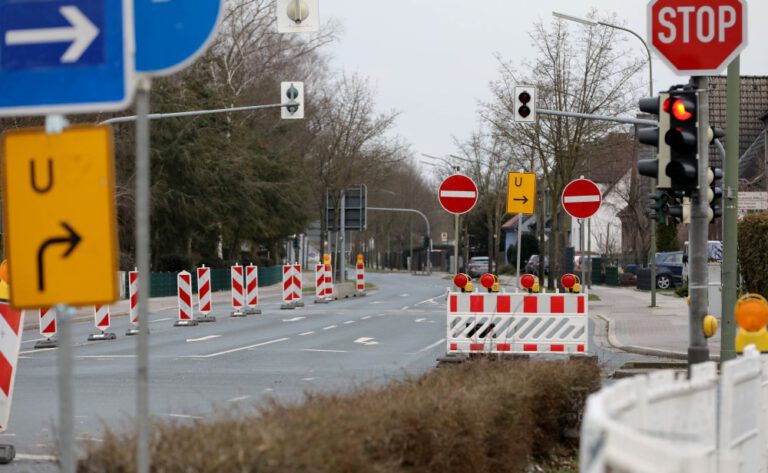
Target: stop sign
(697, 37)
(581, 198)
(457, 194)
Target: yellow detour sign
(61, 232)
(326, 258)
(521, 193)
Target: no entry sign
(457, 194)
(697, 37)
(581, 198)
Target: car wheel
(663, 282)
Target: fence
(665, 423)
(164, 284)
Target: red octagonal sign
(457, 194)
(697, 37)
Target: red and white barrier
(517, 323)
(184, 296)
(322, 292)
(360, 274)
(204, 302)
(102, 321)
(252, 289)
(11, 325)
(291, 286)
(48, 322)
(329, 281)
(133, 294)
(238, 295)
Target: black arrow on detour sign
(524, 200)
(72, 238)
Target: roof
(752, 164)
(606, 161)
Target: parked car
(532, 266)
(477, 266)
(628, 274)
(669, 269)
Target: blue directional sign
(64, 56)
(170, 34)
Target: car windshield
(479, 259)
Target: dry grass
(476, 417)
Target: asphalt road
(234, 362)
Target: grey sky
(432, 60)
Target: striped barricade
(252, 290)
(102, 321)
(323, 294)
(238, 295)
(48, 328)
(360, 276)
(291, 286)
(133, 295)
(11, 326)
(517, 323)
(204, 299)
(329, 281)
(184, 295)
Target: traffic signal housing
(714, 194)
(658, 206)
(654, 136)
(525, 104)
(682, 138)
(292, 94)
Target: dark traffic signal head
(714, 193)
(682, 139)
(524, 97)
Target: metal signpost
(581, 199)
(457, 195)
(521, 199)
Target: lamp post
(589, 22)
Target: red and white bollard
(291, 286)
(322, 293)
(101, 319)
(360, 275)
(252, 290)
(238, 295)
(184, 296)
(47, 328)
(204, 303)
(329, 281)
(11, 326)
(133, 290)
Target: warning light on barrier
(571, 282)
(530, 282)
(490, 282)
(709, 325)
(751, 313)
(463, 282)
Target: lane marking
(366, 317)
(320, 350)
(37, 458)
(349, 322)
(404, 295)
(307, 379)
(202, 339)
(306, 333)
(36, 350)
(372, 302)
(105, 357)
(239, 398)
(429, 301)
(294, 319)
(33, 340)
(366, 341)
(184, 416)
(329, 327)
(442, 340)
(225, 352)
(404, 308)
(420, 320)
(164, 319)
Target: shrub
(753, 252)
(481, 416)
(529, 245)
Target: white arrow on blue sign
(65, 56)
(171, 34)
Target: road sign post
(521, 199)
(457, 195)
(581, 200)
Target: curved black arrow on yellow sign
(73, 238)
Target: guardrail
(666, 423)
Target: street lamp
(449, 163)
(590, 22)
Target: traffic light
(297, 16)
(678, 208)
(654, 136)
(658, 206)
(714, 194)
(292, 93)
(525, 104)
(682, 138)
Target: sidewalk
(635, 327)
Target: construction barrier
(252, 289)
(323, 294)
(47, 328)
(329, 281)
(204, 300)
(11, 326)
(133, 294)
(101, 319)
(360, 276)
(238, 296)
(184, 297)
(291, 286)
(517, 323)
(668, 423)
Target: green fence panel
(221, 279)
(270, 275)
(612, 276)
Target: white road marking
(429, 301)
(256, 345)
(377, 302)
(268, 390)
(306, 333)
(202, 339)
(36, 458)
(105, 357)
(380, 315)
(366, 341)
(420, 320)
(442, 340)
(404, 295)
(37, 350)
(366, 317)
(405, 307)
(183, 416)
(324, 351)
(164, 319)
(294, 319)
(239, 398)
(349, 322)
(307, 379)
(329, 327)
(33, 340)
(581, 198)
(7, 435)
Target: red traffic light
(527, 280)
(682, 110)
(487, 280)
(665, 105)
(568, 281)
(524, 97)
(460, 280)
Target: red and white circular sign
(697, 37)
(457, 194)
(581, 198)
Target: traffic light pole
(698, 352)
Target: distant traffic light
(292, 93)
(654, 136)
(682, 138)
(658, 206)
(714, 194)
(525, 104)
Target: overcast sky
(432, 60)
